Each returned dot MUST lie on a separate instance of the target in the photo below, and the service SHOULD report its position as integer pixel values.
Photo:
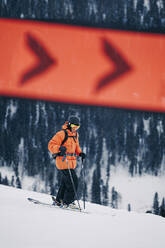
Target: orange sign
(82, 65)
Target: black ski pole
(73, 185)
(84, 188)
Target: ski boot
(56, 203)
(71, 205)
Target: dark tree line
(158, 209)
(14, 182)
(126, 14)
(110, 137)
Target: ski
(54, 206)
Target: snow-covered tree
(156, 204)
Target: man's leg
(69, 195)
(62, 188)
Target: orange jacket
(71, 144)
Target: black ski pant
(66, 191)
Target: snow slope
(26, 225)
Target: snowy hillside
(126, 155)
(26, 225)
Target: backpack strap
(67, 136)
(75, 138)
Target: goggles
(73, 125)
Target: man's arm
(55, 143)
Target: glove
(54, 155)
(83, 155)
(62, 150)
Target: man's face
(74, 127)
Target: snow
(138, 190)
(5, 2)
(10, 112)
(146, 126)
(147, 4)
(6, 171)
(26, 225)
(37, 115)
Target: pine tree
(5, 181)
(12, 181)
(140, 12)
(154, 14)
(131, 21)
(162, 208)
(96, 187)
(18, 183)
(129, 207)
(114, 198)
(156, 204)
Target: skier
(64, 147)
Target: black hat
(74, 120)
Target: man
(64, 147)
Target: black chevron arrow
(120, 63)
(44, 60)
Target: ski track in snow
(26, 225)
